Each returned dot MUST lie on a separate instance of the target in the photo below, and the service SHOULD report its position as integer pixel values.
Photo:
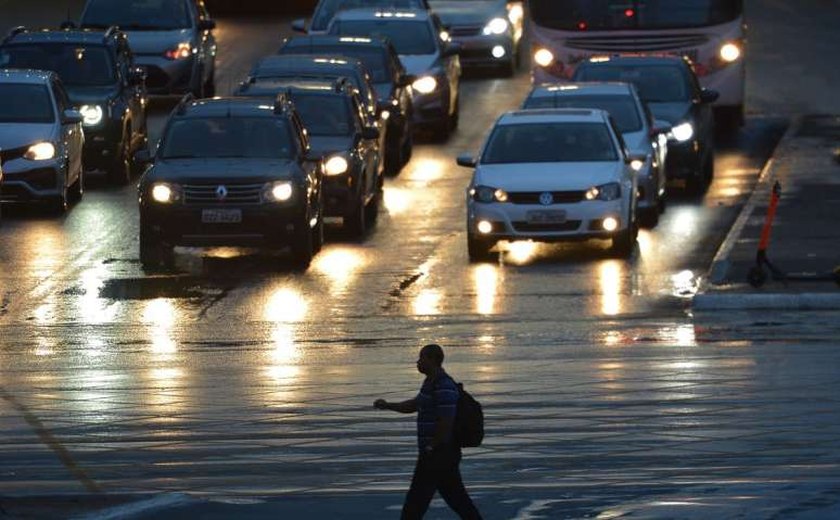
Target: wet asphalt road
(238, 376)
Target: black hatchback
(232, 172)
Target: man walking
(438, 463)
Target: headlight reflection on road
(609, 280)
(486, 279)
(520, 251)
(680, 336)
(427, 302)
(284, 355)
(160, 314)
(286, 305)
(397, 200)
(427, 169)
(94, 309)
(340, 265)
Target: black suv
(389, 80)
(232, 172)
(341, 135)
(97, 70)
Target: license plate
(221, 216)
(546, 217)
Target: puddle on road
(149, 288)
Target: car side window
(61, 98)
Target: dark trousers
(438, 471)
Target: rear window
(138, 15)
(655, 83)
(623, 109)
(24, 103)
(374, 59)
(326, 9)
(408, 37)
(76, 65)
(324, 115)
(550, 142)
(228, 137)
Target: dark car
(389, 79)
(340, 134)
(326, 9)
(426, 53)
(670, 87)
(98, 72)
(231, 172)
(172, 39)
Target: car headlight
(179, 52)
(683, 132)
(280, 191)
(637, 164)
(515, 12)
(543, 57)
(40, 152)
(336, 165)
(165, 193)
(609, 191)
(488, 194)
(496, 26)
(425, 85)
(91, 114)
(730, 52)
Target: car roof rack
(110, 31)
(283, 101)
(181, 108)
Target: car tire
(624, 243)
(77, 190)
(356, 222)
(393, 158)
(478, 250)
(649, 217)
(318, 232)
(303, 248)
(372, 209)
(407, 146)
(120, 171)
(59, 204)
(662, 203)
(155, 255)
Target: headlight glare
(730, 52)
(683, 132)
(279, 191)
(336, 165)
(179, 52)
(164, 193)
(425, 85)
(40, 152)
(637, 165)
(91, 114)
(543, 57)
(609, 191)
(496, 26)
(489, 194)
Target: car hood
(548, 176)
(418, 63)
(637, 142)
(18, 135)
(91, 95)
(674, 112)
(324, 144)
(456, 13)
(157, 42)
(231, 170)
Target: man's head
(430, 359)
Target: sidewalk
(805, 236)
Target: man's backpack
(469, 420)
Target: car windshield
(324, 115)
(76, 65)
(408, 37)
(655, 83)
(25, 103)
(327, 8)
(549, 142)
(593, 15)
(623, 109)
(137, 15)
(372, 58)
(228, 137)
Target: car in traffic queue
(489, 31)
(341, 135)
(231, 172)
(325, 10)
(641, 133)
(425, 51)
(172, 39)
(551, 175)
(41, 140)
(669, 86)
(390, 81)
(98, 73)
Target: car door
(71, 134)
(451, 63)
(702, 115)
(206, 41)
(312, 169)
(134, 93)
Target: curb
(765, 301)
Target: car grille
(658, 43)
(465, 30)
(533, 197)
(527, 227)
(239, 194)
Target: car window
(25, 103)
(76, 65)
(324, 114)
(228, 137)
(550, 142)
(622, 108)
(138, 15)
(408, 37)
(372, 58)
(326, 9)
(655, 83)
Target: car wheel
(407, 146)
(78, 188)
(649, 217)
(60, 203)
(318, 232)
(393, 158)
(120, 171)
(155, 255)
(478, 250)
(303, 248)
(624, 242)
(662, 203)
(356, 222)
(372, 209)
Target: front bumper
(26, 181)
(648, 188)
(166, 77)
(431, 109)
(102, 144)
(477, 51)
(341, 193)
(684, 160)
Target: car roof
(553, 115)
(306, 63)
(86, 36)
(381, 13)
(647, 59)
(34, 77)
(588, 88)
(345, 40)
(227, 107)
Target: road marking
(50, 441)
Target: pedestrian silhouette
(439, 458)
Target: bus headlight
(730, 52)
(91, 114)
(543, 57)
(40, 152)
(336, 165)
(495, 26)
(425, 85)
(683, 132)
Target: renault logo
(546, 198)
(221, 192)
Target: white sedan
(552, 175)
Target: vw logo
(221, 192)
(546, 198)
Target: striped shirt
(437, 398)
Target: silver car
(642, 135)
(41, 140)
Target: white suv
(552, 175)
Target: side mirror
(660, 127)
(72, 116)
(137, 76)
(207, 25)
(370, 133)
(466, 160)
(299, 25)
(709, 96)
(142, 156)
(452, 49)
